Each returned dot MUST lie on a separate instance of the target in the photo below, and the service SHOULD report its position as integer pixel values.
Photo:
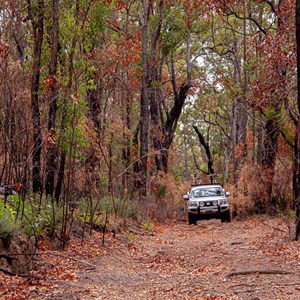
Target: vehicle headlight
(215, 203)
(223, 202)
(201, 204)
(193, 204)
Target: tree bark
(243, 111)
(296, 162)
(206, 147)
(144, 106)
(51, 155)
(38, 35)
(235, 118)
(60, 176)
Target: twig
(241, 284)
(283, 272)
(244, 291)
(289, 284)
(90, 269)
(236, 243)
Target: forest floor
(249, 259)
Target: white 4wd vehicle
(207, 201)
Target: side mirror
(227, 194)
(186, 197)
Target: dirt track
(253, 259)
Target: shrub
(121, 207)
(35, 218)
(9, 225)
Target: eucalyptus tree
(53, 93)
(14, 105)
(217, 51)
(296, 165)
(260, 76)
(170, 76)
(36, 15)
(144, 115)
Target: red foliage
(49, 84)
(275, 58)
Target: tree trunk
(60, 176)
(296, 162)
(51, 155)
(296, 178)
(234, 118)
(63, 155)
(259, 143)
(38, 35)
(244, 113)
(210, 164)
(271, 130)
(186, 166)
(126, 178)
(270, 145)
(170, 125)
(144, 107)
(157, 130)
(163, 129)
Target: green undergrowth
(44, 217)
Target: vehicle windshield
(207, 192)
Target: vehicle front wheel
(192, 219)
(226, 217)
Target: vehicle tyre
(226, 217)
(192, 219)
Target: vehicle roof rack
(203, 184)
